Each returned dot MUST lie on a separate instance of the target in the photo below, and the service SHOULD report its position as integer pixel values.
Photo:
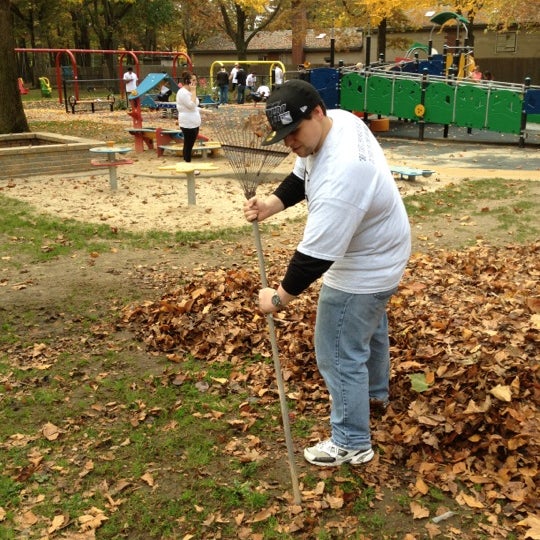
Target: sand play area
(149, 198)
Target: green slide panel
(504, 111)
(439, 103)
(471, 104)
(353, 92)
(407, 95)
(379, 95)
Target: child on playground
(164, 92)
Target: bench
(205, 148)
(408, 173)
(74, 102)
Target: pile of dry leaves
(465, 343)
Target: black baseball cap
(287, 106)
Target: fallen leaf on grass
(148, 478)
(504, 393)
(533, 527)
(468, 500)
(418, 511)
(57, 523)
(50, 431)
(92, 520)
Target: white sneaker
(327, 454)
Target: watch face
(276, 300)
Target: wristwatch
(276, 300)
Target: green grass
(38, 237)
(499, 207)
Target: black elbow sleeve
(291, 190)
(302, 271)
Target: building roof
(281, 40)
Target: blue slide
(151, 81)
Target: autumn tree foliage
(500, 13)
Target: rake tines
(251, 165)
(241, 133)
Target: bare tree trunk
(381, 40)
(12, 117)
(299, 25)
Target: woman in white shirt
(189, 117)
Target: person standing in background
(251, 80)
(189, 116)
(222, 80)
(130, 80)
(278, 76)
(232, 78)
(241, 77)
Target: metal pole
(523, 124)
(191, 187)
(422, 122)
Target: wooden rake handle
(277, 368)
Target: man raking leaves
(357, 236)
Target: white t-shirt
(130, 77)
(263, 90)
(278, 75)
(189, 115)
(356, 216)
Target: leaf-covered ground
(465, 331)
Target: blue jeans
(353, 357)
(241, 89)
(223, 94)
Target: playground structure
(456, 60)
(70, 53)
(142, 96)
(46, 90)
(22, 89)
(431, 99)
(437, 90)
